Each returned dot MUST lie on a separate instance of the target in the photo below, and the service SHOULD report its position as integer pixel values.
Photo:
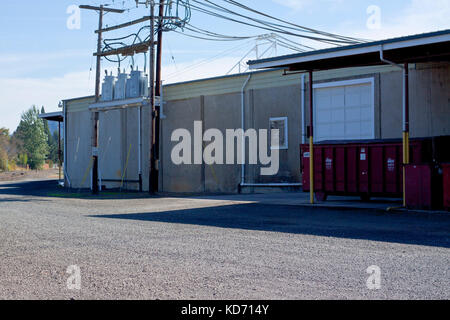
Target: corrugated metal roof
(350, 47)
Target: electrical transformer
(137, 85)
(120, 87)
(108, 88)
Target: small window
(282, 125)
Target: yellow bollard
(405, 162)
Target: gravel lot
(19, 175)
(134, 247)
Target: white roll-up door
(344, 110)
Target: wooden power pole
(101, 10)
(152, 111)
(154, 176)
(159, 50)
(158, 76)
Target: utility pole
(159, 49)
(101, 10)
(158, 92)
(153, 175)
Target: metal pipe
(311, 140)
(303, 110)
(271, 185)
(243, 127)
(387, 61)
(120, 180)
(139, 149)
(405, 133)
(99, 169)
(406, 157)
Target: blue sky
(42, 61)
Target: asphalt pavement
(132, 246)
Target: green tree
(4, 149)
(3, 154)
(31, 132)
(9, 149)
(22, 159)
(46, 127)
(54, 148)
(52, 140)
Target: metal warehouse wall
(270, 94)
(78, 142)
(429, 101)
(118, 146)
(217, 102)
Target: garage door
(344, 110)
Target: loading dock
(399, 52)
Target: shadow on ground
(50, 188)
(417, 229)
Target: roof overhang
(427, 47)
(53, 116)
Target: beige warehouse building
(349, 104)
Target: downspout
(311, 137)
(99, 168)
(405, 128)
(139, 148)
(243, 128)
(387, 61)
(303, 110)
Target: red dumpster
(423, 188)
(360, 168)
(446, 185)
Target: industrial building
(358, 95)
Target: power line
(265, 26)
(206, 61)
(293, 24)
